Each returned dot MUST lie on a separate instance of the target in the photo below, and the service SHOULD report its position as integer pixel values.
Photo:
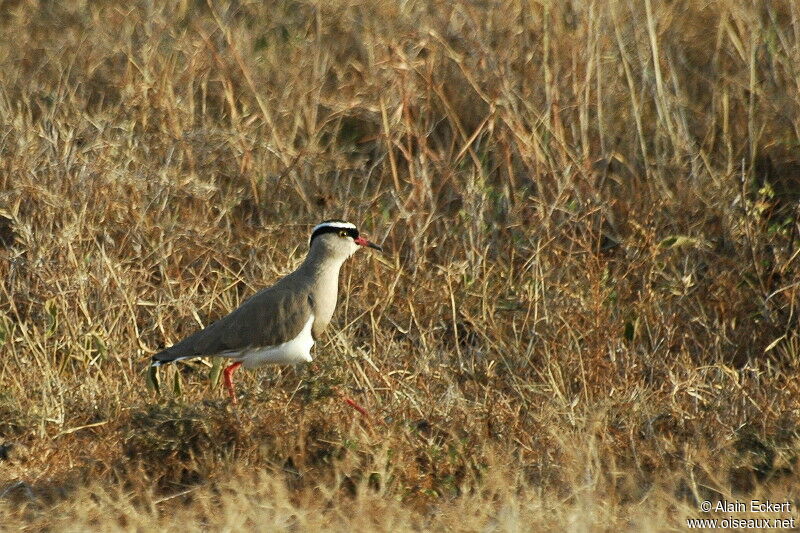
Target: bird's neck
(321, 267)
(321, 271)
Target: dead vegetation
(587, 317)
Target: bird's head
(339, 238)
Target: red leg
(355, 406)
(349, 401)
(228, 374)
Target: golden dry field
(586, 318)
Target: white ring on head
(337, 225)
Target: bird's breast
(297, 350)
(324, 304)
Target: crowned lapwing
(279, 324)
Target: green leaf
(216, 370)
(630, 331)
(98, 345)
(678, 241)
(152, 379)
(176, 384)
(52, 311)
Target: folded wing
(271, 317)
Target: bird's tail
(165, 357)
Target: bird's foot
(352, 403)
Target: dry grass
(587, 318)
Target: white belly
(291, 352)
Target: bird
(279, 324)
